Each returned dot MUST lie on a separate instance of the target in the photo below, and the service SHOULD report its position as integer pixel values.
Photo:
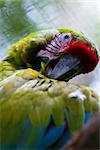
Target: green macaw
(37, 111)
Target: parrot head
(67, 56)
(59, 54)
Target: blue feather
(44, 137)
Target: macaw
(59, 54)
(39, 109)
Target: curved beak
(66, 67)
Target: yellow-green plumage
(37, 98)
(6, 69)
(29, 100)
(21, 53)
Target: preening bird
(38, 111)
(59, 54)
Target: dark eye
(66, 37)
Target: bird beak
(66, 67)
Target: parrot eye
(66, 37)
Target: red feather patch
(86, 54)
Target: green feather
(40, 98)
(21, 51)
(28, 96)
(6, 69)
(25, 49)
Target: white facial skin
(59, 42)
(65, 39)
(56, 46)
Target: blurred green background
(20, 17)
